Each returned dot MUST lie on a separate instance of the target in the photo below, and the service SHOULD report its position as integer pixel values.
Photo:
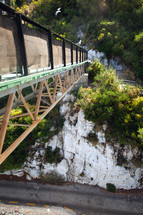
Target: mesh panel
(57, 51)
(36, 44)
(74, 54)
(10, 55)
(68, 53)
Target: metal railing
(69, 51)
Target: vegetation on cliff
(111, 102)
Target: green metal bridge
(36, 59)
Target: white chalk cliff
(94, 163)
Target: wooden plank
(38, 100)
(26, 106)
(5, 120)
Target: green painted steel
(19, 81)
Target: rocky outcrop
(87, 158)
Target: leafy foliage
(53, 156)
(52, 178)
(121, 106)
(111, 187)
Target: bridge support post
(71, 54)
(22, 44)
(50, 49)
(64, 52)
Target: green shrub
(53, 156)
(120, 106)
(94, 69)
(110, 187)
(52, 178)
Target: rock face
(115, 62)
(86, 156)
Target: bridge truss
(48, 88)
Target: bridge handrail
(12, 12)
(6, 85)
(19, 17)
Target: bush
(53, 156)
(110, 187)
(120, 106)
(94, 69)
(52, 178)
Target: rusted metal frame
(38, 100)
(45, 95)
(5, 120)
(23, 114)
(55, 88)
(26, 105)
(13, 146)
(68, 79)
(18, 102)
(48, 90)
(65, 80)
(16, 99)
(20, 125)
(34, 88)
(45, 102)
(60, 82)
(33, 106)
(12, 86)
